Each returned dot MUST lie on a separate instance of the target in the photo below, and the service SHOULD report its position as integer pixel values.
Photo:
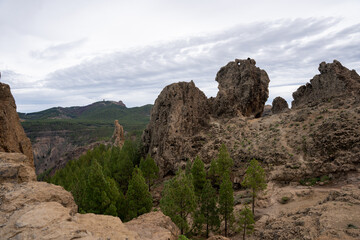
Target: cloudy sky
(66, 53)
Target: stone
(179, 113)
(154, 225)
(279, 105)
(12, 136)
(243, 89)
(334, 82)
(15, 167)
(118, 135)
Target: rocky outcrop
(154, 225)
(12, 135)
(118, 135)
(15, 167)
(243, 89)
(279, 105)
(180, 112)
(334, 81)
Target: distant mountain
(58, 133)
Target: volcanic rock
(179, 113)
(279, 105)
(334, 82)
(243, 89)
(118, 135)
(12, 135)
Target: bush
(284, 200)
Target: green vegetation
(149, 169)
(246, 222)
(199, 175)
(178, 200)
(226, 201)
(255, 179)
(99, 180)
(284, 200)
(221, 166)
(83, 125)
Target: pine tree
(208, 208)
(246, 221)
(138, 196)
(255, 179)
(224, 162)
(226, 201)
(178, 200)
(149, 169)
(199, 175)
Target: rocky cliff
(296, 144)
(38, 210)
(13, 138)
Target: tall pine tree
(255, 179)
(226, 201)
(138, 196)
(199, 175)
(149, 169)
(246, 221)
(178, 200)
(208, 208)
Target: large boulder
(118, 135)
(279, 105)
(243, 89)
(334, 81)
(179, 113)
(12, 135)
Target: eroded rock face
(180, 112)
(118, 135)
(12, 135)
(279, 105)
(334, 81)
(243, 89)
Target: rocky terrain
(316, 142)
(38, 210)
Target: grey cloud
(57, 51)
(289, 50)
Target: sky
(73, 53)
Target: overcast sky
(66, 53)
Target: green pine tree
(255, 179)
(178, 200)
(224, 162)
(149, 169)
(138, 196)
(246, 221)
(199, 175)
(208, 208)
(226, 201)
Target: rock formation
(334, 81)
(243, 89)
(13, 138)
(180, 112)
(38, 210)
(279, 105)
(118, 135)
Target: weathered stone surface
(15, 167)
(334, 81)
(243, 89)
(279, 105)
(180, 112)
(154, 225)
(118, 135)
(12, 135)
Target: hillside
(60, 134)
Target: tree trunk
(244, 231)
(207, 228)
(253, 202)
(225, 225)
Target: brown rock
(154, 225)
(15, 167)
(180, 112)
(334, 81)
(12, 135)
(243, 89)
(118, 135)
(279, 105)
